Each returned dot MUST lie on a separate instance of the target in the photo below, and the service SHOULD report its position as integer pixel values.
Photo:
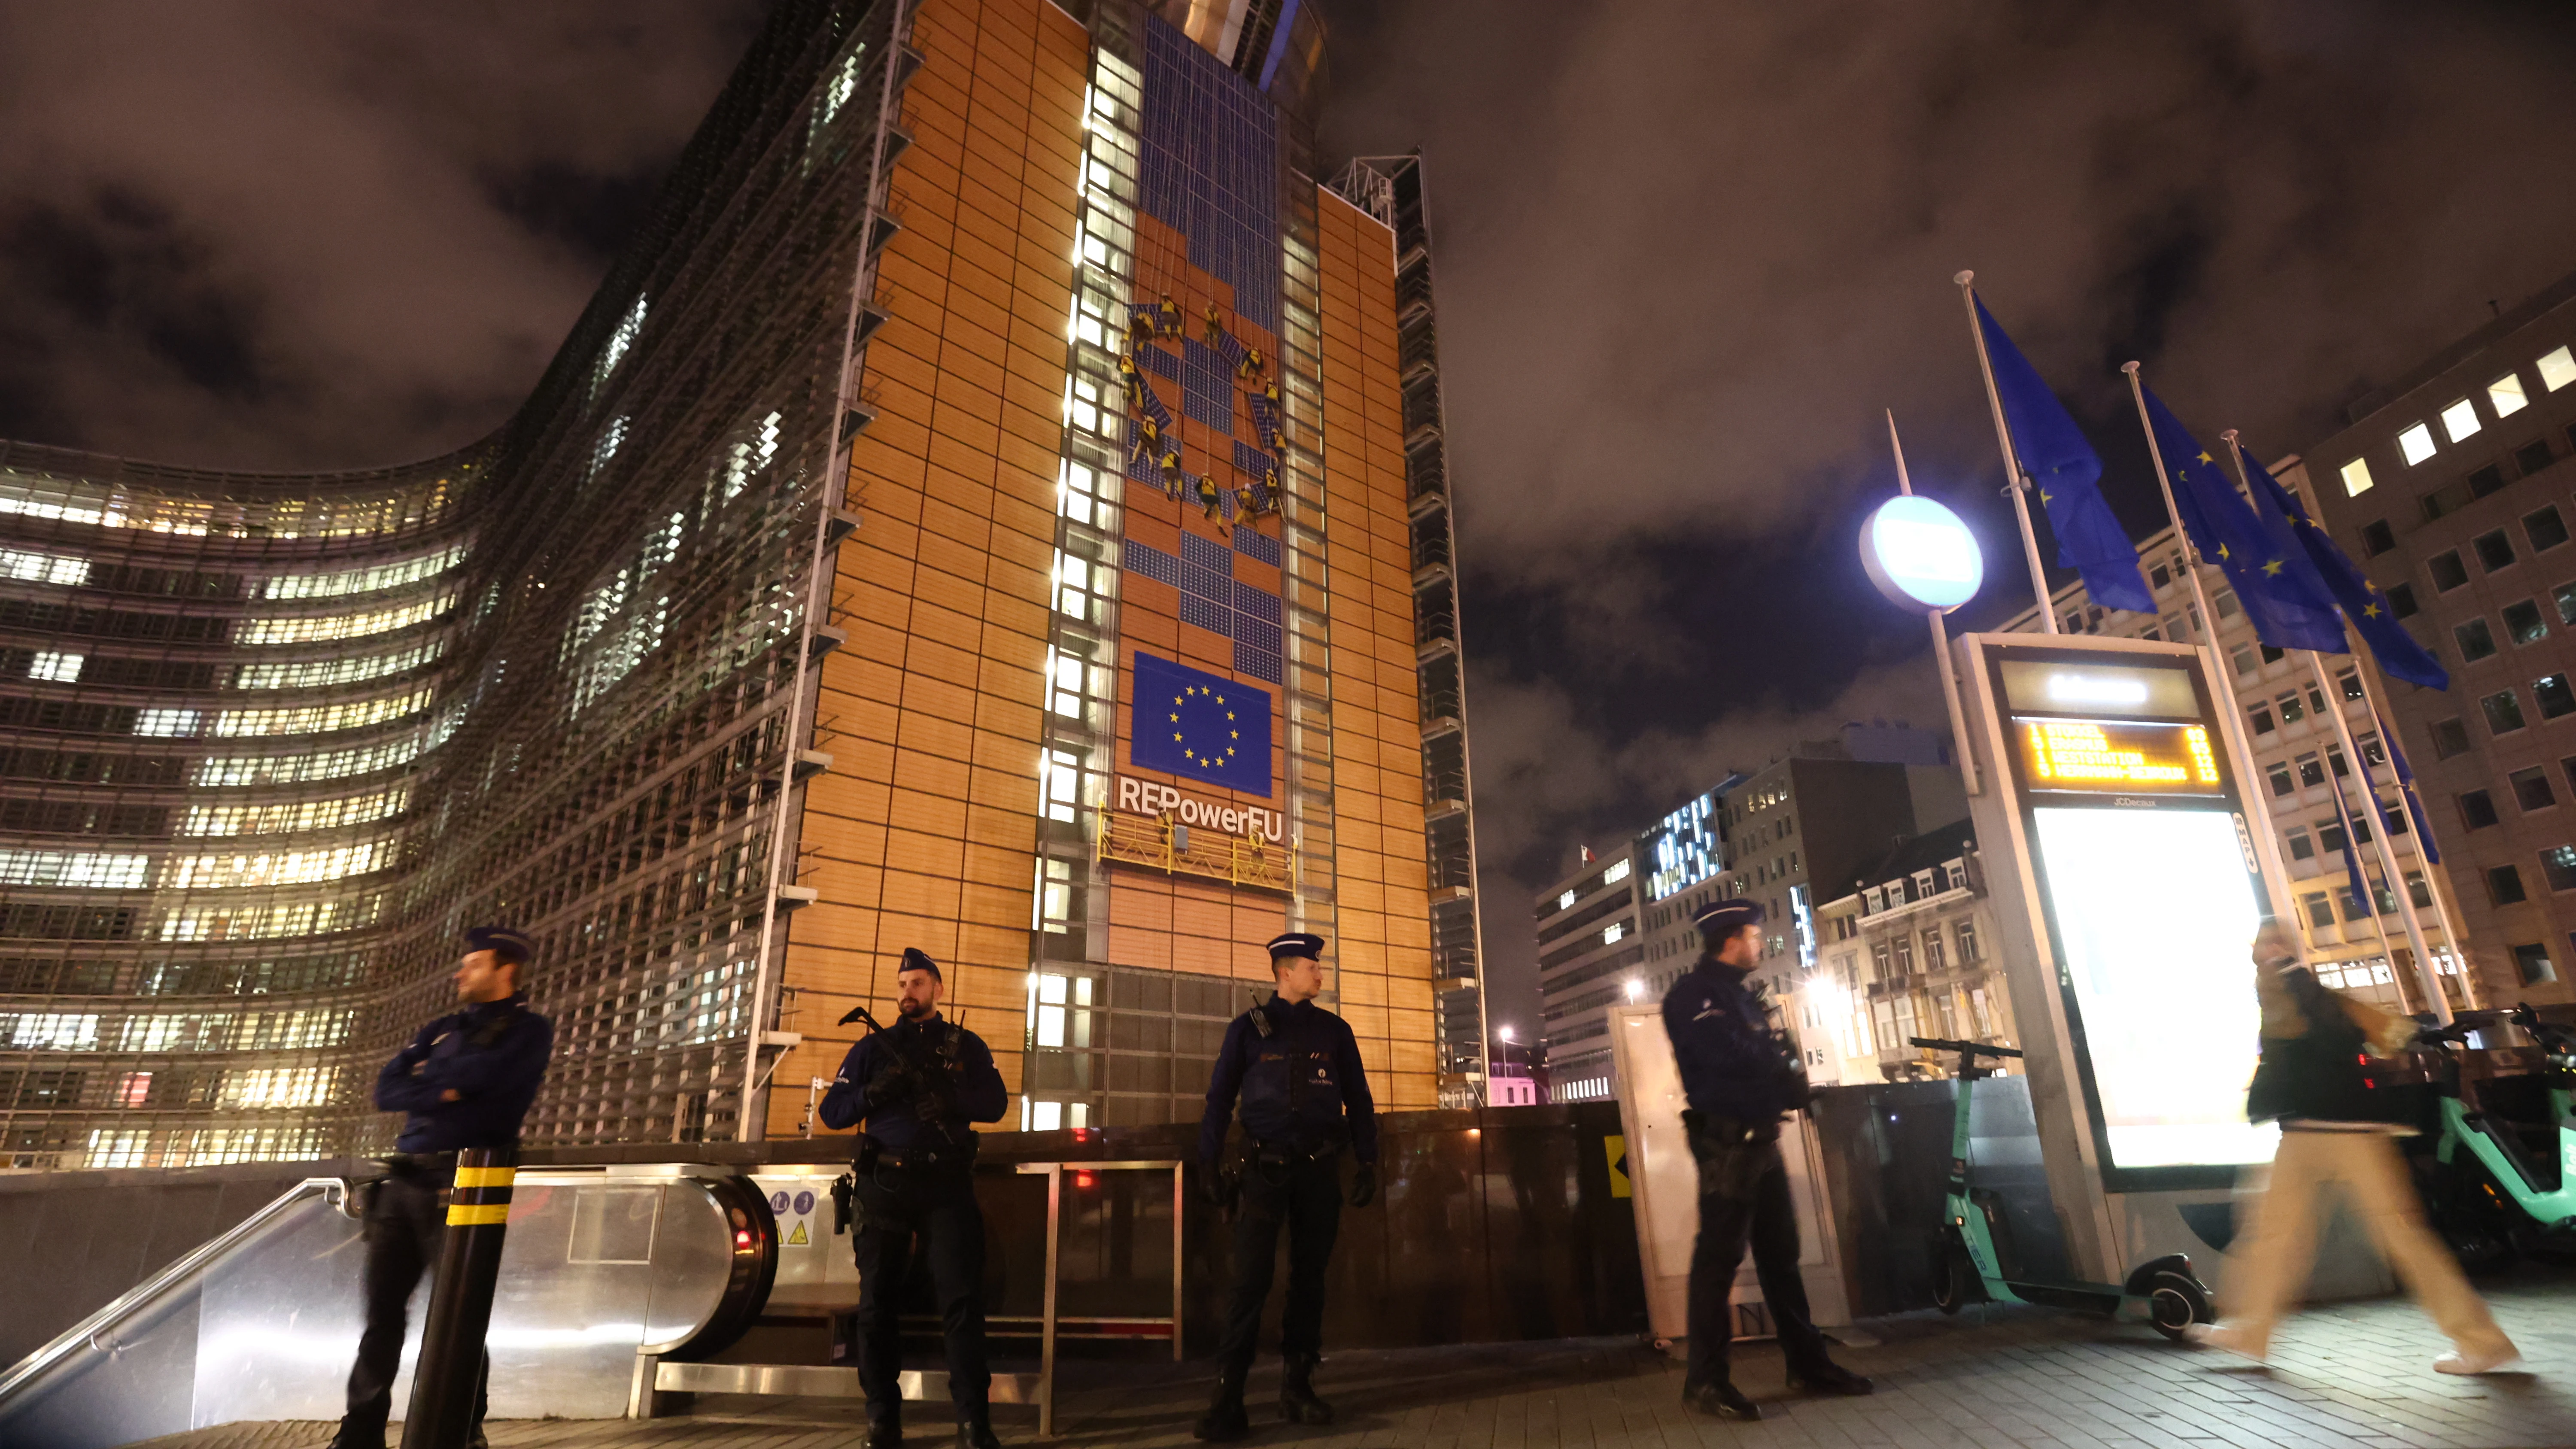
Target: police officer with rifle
(918, 1085)
(465, 1081)
(1304, 1096)
(1742, 1074)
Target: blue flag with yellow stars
(2274, 578)
(2360, 599)
(2064, 468)
(1196, 724)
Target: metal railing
(1159, 842)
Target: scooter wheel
(1955, 1283)
(2175, 1302)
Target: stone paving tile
(2349, 1375)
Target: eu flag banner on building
(2273, 577)
(2064, 468)
(2360, 600)
(1199, 725)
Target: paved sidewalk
(2350, 1374)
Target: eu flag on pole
(2064, 468)
(2360, 600)
(2406, 788)
(2351, 854)
(1199, 725)
(2273, 577)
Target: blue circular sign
(804, 1202)
(1921, 555)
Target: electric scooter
(1976, 1259)
(2501, 1188)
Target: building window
(2224, 601)
(2531, 789)
(2551, 693)
(2159, 576)
(2557, 369)
(2495, 550)
(2401, 600)
(1878, 959)
(2301, 848)
(2416, 443)
(2460, 420)
(2532, 961)
(2356, 478)
(2477, 810)
(2310, 772)
(1968, 952)
(2504, 886)
(2244, 658)
(2505, 395)
(2376, 538)
(2558, 867)
(2450, 739)
(2486, 480)
(2533, 456)
(1904, 947)
(2320, 909)
(2261, 715)
(2504, 712)
(2291, 708)
(2330, 834)
(2524, 624)
(2282, 784)
(2447, 571)
(1932, 951)
(2545, 528)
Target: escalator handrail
(189, 1264)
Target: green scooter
(2499, 1188)
(1976, 1262)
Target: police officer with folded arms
(466, 1081)
(918, 1085)
(1742, 1074)
(1296, 1069)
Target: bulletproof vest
(1292, 1087)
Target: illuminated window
(289, 818)
(362, 581)
(2557, 369)
(320, 718)
(297, 769)
(1565, 902)
(72, 870)
(268, 922)
(280, 1087)
(51, 1031)
(2460, 420)
(2555, 699)
(2416, 443)
(317, 673)
(1617, 872)
(2505, 395)
(2356, 478)
(42, 568)
(56, 668)
(1060, 784)
(344, 626)
(619, 343)
(117, 1147)
(133, 1089)
(1613, 932)
(166, 723)
(214, 1146)
(299, 867)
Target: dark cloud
(301, 235)
(1687, 252)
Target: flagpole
(2012, 460)
(2374, 690)
(2426, 978)
(2231, 727)
(1940, 640)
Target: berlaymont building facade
(999, 506)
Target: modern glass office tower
(829, 596)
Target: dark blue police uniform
(1295, 1070)
(1741, 1075)
(466, 1081)
(918, 1085)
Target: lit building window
(296, 769)
(50, 1031)
(1613, 932)
(2557, 369)
(166, 723)
(42, 568)
(1617, 872)
(72, 870)
(133, 1089)
(620, 342)
(362, 581)
(298, 867)
(56, 668)
(2416, 443)
(2460, 420)
(214, 1146)
(344, 626)
(280, 1087)
(260, 923)
(287, 819)
(2356, 478)
(1565, 902)
(320, 718)
(317, 673)
(117, 1147)
(2505, 395)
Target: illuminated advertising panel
(2151, 894)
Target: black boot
(1297, 1399)
(1824, 1376)
(885, 1434)
(1720, 1400)
(358, 1436)
(975, 1430)
(1225, 1419)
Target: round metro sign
(1921, 555)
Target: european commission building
(998, 506)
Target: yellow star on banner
(2204, 456)
(2370, 611)
(2223, 553)
(2274, 567)
(2046, 498)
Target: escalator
(604, 1268)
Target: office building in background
(818, 603)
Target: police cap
(511, 944)
(1297, 943)
(916, 959)
(1727, 917)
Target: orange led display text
(2121, 756)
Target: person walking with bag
(2335, 1129)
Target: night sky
(1685, 254)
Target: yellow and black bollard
(447, 1380)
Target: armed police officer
(466, 1081)
(1297, 1070)
(1742, 1075)
(919, 1084)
